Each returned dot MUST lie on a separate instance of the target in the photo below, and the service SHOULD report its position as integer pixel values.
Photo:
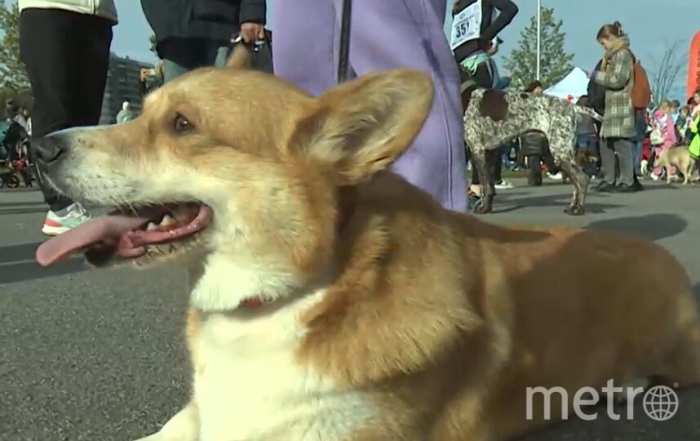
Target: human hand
(251, 32)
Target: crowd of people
(660, 127)
(58, 35)
(634, 132)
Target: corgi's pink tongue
(101, 229)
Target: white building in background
(122, 85)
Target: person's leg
(468, 160)
(222, 55)
(181, 55)
(95, 53)
(498, 166)
(483, 77)
(534, 171)
(637, 157)
(215, 53)
(306, 38)
(409, 33)
(548, 160)
(505, 156)
(51, 43)
(592, 164)
(623, 148)
(45, 49)
(607, 160)
(172, 70)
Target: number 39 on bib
(466, 25)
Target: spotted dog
(493, 117)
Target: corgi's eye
(181, 125)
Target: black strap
(344, 53)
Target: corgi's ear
(361, 127)
(239, 59)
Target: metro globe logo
(660, 403)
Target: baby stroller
(13, 155)
(8, 177)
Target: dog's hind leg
(579, 180)
(492, 157)
(687, 173)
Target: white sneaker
(503, 185)
(655, 177)
(59, 222)
(556, 177)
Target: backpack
(641, 90)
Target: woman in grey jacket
(65, 45)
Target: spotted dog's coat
(492, 118)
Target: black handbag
(260, 51)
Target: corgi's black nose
(49, 148)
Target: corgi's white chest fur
(250, 387)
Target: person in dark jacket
(534, 148)
(197, 33)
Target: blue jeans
(636, 157)
(587, 143)
(216, 55)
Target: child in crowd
(694, 141)
(663, 121)
(587, 140)
(499, 82)
(694, 103)
(675, 110)
(682, 125)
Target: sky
(650, 28)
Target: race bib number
(466, 25)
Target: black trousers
(66, 56)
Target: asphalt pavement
(99, 355)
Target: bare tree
(668, 67)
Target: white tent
(572, 87)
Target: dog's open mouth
(127, 234)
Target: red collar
(347, 197)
